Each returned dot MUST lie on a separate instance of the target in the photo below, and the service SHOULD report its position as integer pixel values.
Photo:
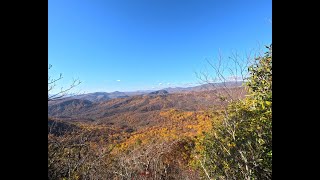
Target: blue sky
(127, 45)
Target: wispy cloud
(118, 80)
(188, 84)
(160, 84)
(234, 78)
(269, 20)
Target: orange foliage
(179, 124)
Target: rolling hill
(136, 111)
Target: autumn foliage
(169, 141)
(240, 144)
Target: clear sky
(127, 45)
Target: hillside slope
(136, 111)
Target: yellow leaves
(226, 165)
(261, 141)
(176, 116)
(181, 124)
(231, 144)
(268, 103)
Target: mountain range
(138, 110)
(103, 96)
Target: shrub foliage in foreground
(240, 144)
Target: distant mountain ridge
(139, 110)
(204, 87)
(160, 92)
(104, 96)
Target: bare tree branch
(63, 93)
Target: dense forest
(194, 135)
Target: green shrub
(240, 144)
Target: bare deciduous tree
(226, 71)
(63, 92)
(158, 160)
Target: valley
(135, 126)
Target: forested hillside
(221, 133)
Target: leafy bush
(240, 144)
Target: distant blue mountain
(103, 96)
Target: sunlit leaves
(240, 146)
